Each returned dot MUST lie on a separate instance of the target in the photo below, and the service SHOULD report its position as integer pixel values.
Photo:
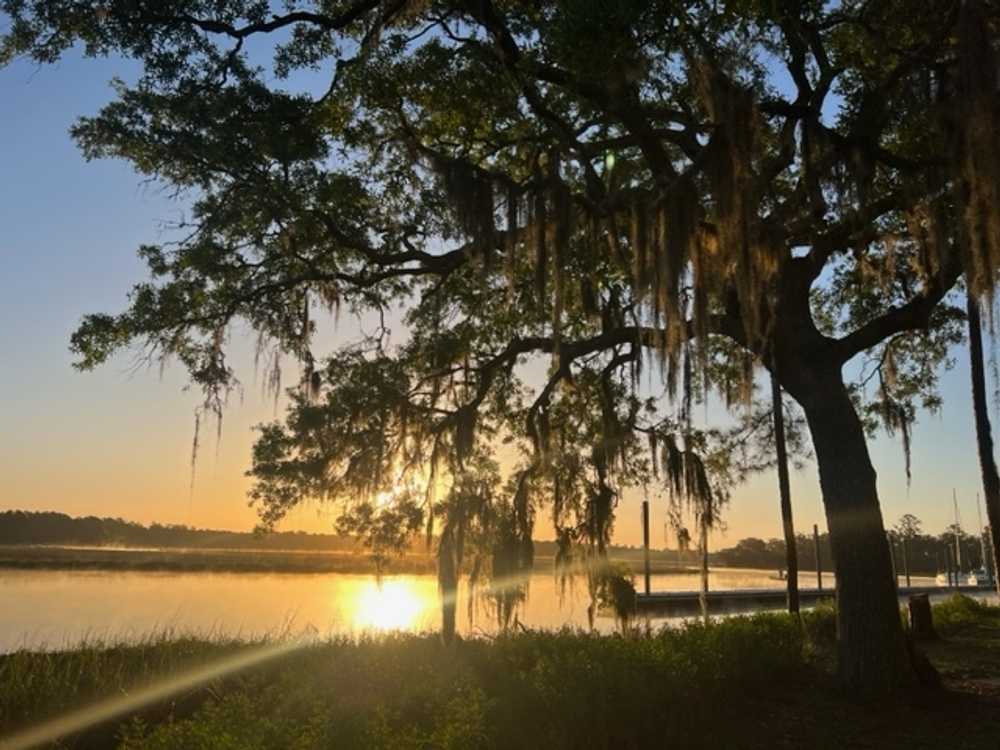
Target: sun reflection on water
(393, 605)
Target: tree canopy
(654, 198)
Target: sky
(117, 441)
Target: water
(52, 609)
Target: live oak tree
(617, 187)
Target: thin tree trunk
(984, 433)
(873, 656)
(791, 552)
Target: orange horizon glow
(115, 446)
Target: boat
(980, 577)
(942, 579)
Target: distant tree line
(25, 527)
(753, 552)
(52, 528)
(925, 552)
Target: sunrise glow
(391, 605)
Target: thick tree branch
(647, 336)
(330, 23)
(912, 316)
(629, 114)
(842, 234)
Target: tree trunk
(873, 656)
(984, 433)
(784, 488)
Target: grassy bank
(177, 560)
(758, 681)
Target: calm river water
(53, 609)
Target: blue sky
(118, 441)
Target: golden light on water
(393, 605)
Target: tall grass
(35, 685)
(541, 689)
(693, 686)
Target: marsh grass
(202, 560)
(748, 681)
(182, 560)
(39, 684)
(552, 689)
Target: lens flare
(81, 719)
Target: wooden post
(921, 619)
(906, 561)
(703, 544)
(992, 557)
(892, 559)
(819, 562)
(645, 544)
(955, 569)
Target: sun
(393, 605)
(385, 499)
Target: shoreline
(187, 560)
(769, 683)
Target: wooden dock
(681, 603)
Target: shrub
(960, 612)
(819, 625)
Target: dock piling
(645, 544)
(819, 562)
(906, 562)
(892, 559)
